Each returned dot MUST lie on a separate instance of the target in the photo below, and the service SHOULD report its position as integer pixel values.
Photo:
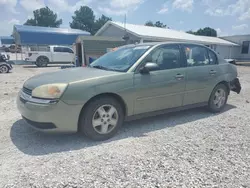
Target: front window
(121, 59)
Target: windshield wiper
(105, 68)
(100, 67)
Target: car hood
(67, 76)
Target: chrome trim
(29, 98)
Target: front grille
(27, 91)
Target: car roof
(162, 43)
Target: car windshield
(121, 59)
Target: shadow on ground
(59, 66)
(246, 64)
(32, 142)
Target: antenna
(125, 20)
(126, 36)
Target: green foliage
(207, 31)
(100, 22)
(83, 19)
(156, 24)
(44, 17)
(149, 23)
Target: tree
(207, 31)
(44, 17)
(156, 24)
(149, 23)
(191, 32)
(160, 24)
(100, 22)
(83, 19)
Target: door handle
(179, 77)
(212, 72)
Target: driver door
(163, 88)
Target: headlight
(49, 91)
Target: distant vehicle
(232, 61)
(54, 55)
(5, 67)
(13, 49)
(131, 82)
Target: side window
(245, 47)
(68, 50)
(196, 55)
(212, 57)
(58, 49)
(167, 57)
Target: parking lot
(192, 148)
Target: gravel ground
(193, 148)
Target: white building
(142, 33)
(240, 52)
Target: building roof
(161, 34)
(98, 38)
(7, 40)
(27, 28)
(24, 34)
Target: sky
(228, 17)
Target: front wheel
(218, 98)
(102, 118)
(4, 69)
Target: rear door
(57, 54)
(163, 88)
(68, 54)
(62, 55)
(201, 73)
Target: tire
(97, 127)
(218, 98)
(42, 61)
(4, 69)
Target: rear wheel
(4, 69)
(102, 118)
(218, 98)
(42, 61)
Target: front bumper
(56, 117)
(235, 85)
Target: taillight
(30, 54)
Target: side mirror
(150, 66)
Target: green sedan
(131, 82)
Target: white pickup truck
(53, 55)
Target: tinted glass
(58, 49)
(212, 57)
(121, 59)
(245, 47)
(167, 57)
(68, 50)
(196, 55)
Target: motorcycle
(5, 66)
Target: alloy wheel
(219, 98)
(105, 119)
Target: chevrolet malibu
(132, 82)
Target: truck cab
(51, 55)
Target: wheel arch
(226, 84)
(107, 94)
(43, 57)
